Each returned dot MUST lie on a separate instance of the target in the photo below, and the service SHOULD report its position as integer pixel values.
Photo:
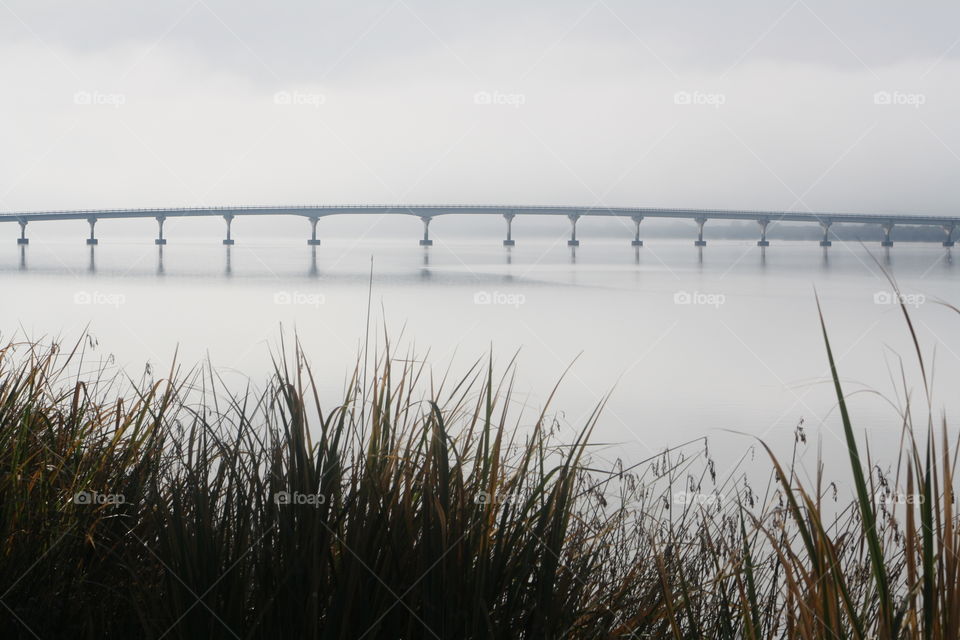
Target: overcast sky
(798, 105)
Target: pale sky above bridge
(798, 105)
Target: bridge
(426, 213)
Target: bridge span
(426, 213)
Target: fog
(774, 105)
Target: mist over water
(811, 106)
(690, 342)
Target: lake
(690, 342)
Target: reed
(428, 507)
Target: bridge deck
(438, 210)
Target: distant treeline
(743, 229)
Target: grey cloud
(584, 104)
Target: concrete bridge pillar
(23, 239)
(313, 242)
(887, 230)
(160, 239)
(700, 242)
(426, 242)
(825, 224)
(573, 242)
(509, 218)
(948, 229)
(92, 240)
(228, 240)
(762, 242)
(637, 242)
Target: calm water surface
(691, 343)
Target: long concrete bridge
(426, 213)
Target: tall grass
(422, 507)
